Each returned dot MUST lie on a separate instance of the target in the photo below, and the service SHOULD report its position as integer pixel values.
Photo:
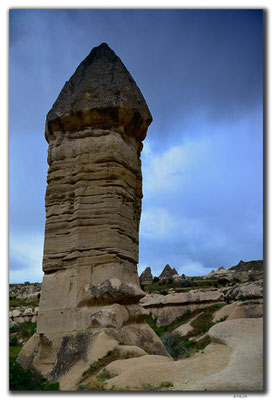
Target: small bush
(27, 283)
(170, 281)
(38, 296)
(173, 345)
(163, 292)
(187, 283)
(20, 379)
(155, 279)
(13, 341)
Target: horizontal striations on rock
(90, 290)
(102, 94)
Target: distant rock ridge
(254, 265)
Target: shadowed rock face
(93, 207)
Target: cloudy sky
(200, 72)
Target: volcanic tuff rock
(254, 265)
(248, 290)
(146, 277)
(168, 272)
(167, 308)
(232, 362)
(93, 206)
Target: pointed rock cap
(101, 93)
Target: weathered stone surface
(93, 206)
(219, 271)
(146, 277)
(168, 272)
(248, 290)
(167, 308)
(254, 265)
(232, 362)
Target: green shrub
(163, 292)
(156, 279)
(170, 281)
(173, 345)
(20, 379)
(13, 341)
(187, 283)
(14, 328)
(223, 281)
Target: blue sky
(200, 72)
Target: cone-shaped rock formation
(168, 272)
(146, 277)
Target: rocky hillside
(24, 289)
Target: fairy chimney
(90, 289)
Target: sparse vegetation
(96, 376)
(183, 346)
(20, 379)
(24, 330)
(151, 388)
(32, 301)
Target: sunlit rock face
(93, 206)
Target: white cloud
(169, 170)
(156, 223)
(27, 251)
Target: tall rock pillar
(93, 206)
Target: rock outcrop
(232, 362)
(220, 271)
(19, 316)
(248, 290)
(165, 309)
(93, 206)
(254, 265)
(146, 277)
(168, 272)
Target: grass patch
(23, 302)
(14, 351)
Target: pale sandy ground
(233, 361)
